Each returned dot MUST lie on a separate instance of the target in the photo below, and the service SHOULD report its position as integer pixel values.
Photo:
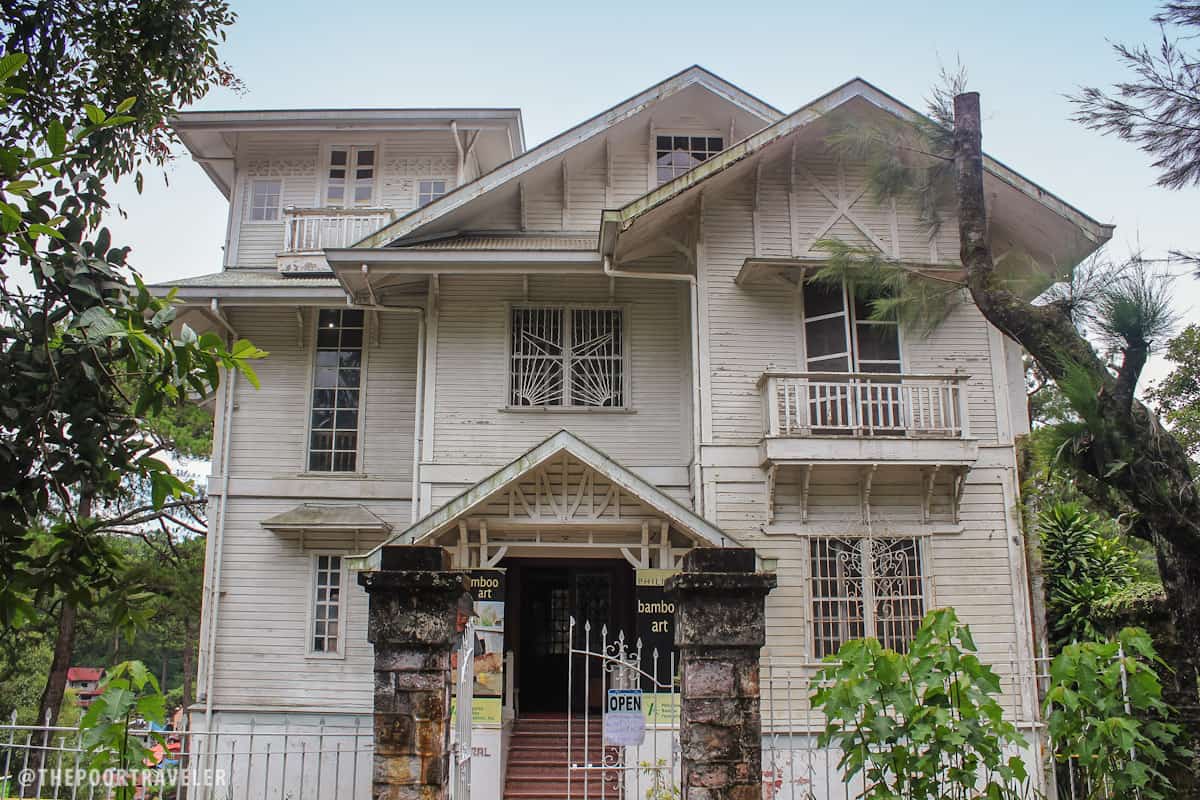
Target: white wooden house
(581, 359)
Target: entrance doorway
(547, 594)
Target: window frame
(446, 184)
(249, 211)
(851, 322)
(310, 652)
(708, 133)
(569, 309)
(353, 146)
(360, 448)
(868, 592)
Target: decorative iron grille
(865, 585)
(567, 357)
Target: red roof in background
(85, 673)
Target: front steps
(537, 759)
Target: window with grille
(865, 587)
(429, 190)
(264, 200)
(567, 357)
(675, 155)
(350, 178)
(337, 380)
(327, 604)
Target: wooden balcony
(307, 232)
(856, 417)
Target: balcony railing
(311, 230)
(864, 404)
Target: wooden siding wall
(754, 328)
(268, 438)
(403, 159)
(472, 425)
(262, 637)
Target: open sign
(624, 722)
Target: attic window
(675, 155)
(429, 190)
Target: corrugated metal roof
(509, 242)
(248, 279)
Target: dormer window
(676, 154)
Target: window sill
(565, 410)
(337, 476)
(313, 656)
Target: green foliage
(1177, 396)
(1085, 563)
(920, 725)
(131, 699)
(1105, 711)
(1139, 603)
(84, 357)
(661, 782)
(919, 299)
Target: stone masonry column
(720, 627)
(414, 602)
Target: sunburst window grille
(567, 357)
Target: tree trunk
(1127, 450)
(1032, 544)
(1180, 647)
(56, 682)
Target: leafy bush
(921, 724)
(130, 699)
(1105, 712)
(1084, 564)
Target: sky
(561, 63)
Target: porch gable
(566, 484)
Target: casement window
(562, 357)
(350, 177)
(862, 587)
(337, 384)
(327, 605)
(265, 199)
(429, 190)
(676, 154)
(840, 335)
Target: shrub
(1105, 712)
(923, 724)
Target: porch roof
(447, 517)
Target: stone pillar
(414, 603)
(720, 627)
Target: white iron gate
(595, 768)
(464, 694)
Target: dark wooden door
(550, 596)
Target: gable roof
(683, 518)
(558, 145)
(615, 222)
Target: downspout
(419, 399)
(219, 533)
(693, 296)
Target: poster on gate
(487, 588)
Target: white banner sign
(624, 719)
